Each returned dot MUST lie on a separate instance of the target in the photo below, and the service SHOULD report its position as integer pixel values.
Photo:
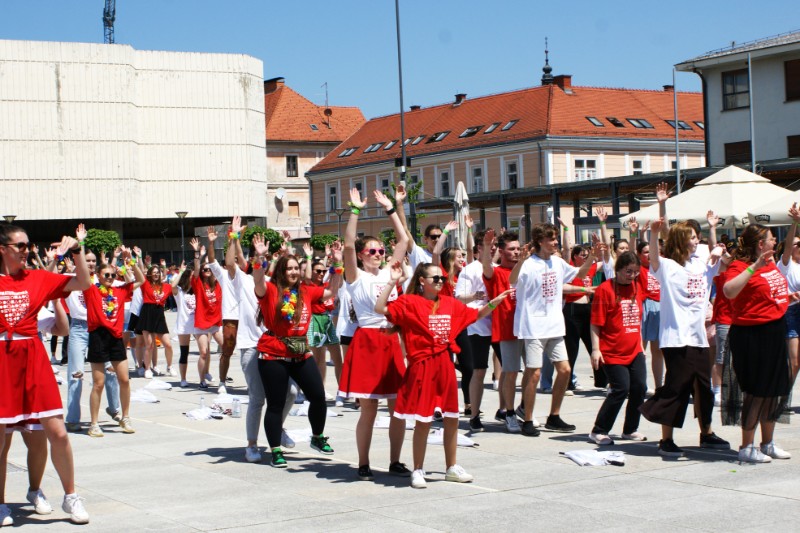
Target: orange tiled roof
(289, 117)
(540, 111)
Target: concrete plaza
(177, 474)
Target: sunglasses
(317, 271)
(205, 270)
(436, 279)
(20, 246)
(373, 251)
(109, 275)
(434, 236)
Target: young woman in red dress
(152, 323)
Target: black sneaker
(530, 431)
(712, 441)
(321, 445)
(399, 469)
(554, 423)
(277, 460)
(475, 424)
(667, 448)
(468, 411)
(365, 473)
(500, 415)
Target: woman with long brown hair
(208, 312)
(151, 323)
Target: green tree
(413, 192)
(275, 239)
(320, 241)
(101, 241)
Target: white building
(774, 97)
(123, 138)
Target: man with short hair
(417, 254)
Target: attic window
(407, 141)
(615, 121)
(390, 144)
(373, 147)
(418, 140)
(701, 125)
(348, 151)
(436, 137)
(491, 128)
(314, 127)
(509, 125)
(596, 122)
(469, 132)
(681, 124)
(635, 122)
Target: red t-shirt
(321, 307)
(448, 287)
(723, 308)
(620, 322)
(763, 299)
(278, 325)
(153, 295)
(426, 334)
(208, 312)
(580, 282)
(23, 295)
(97, 312)
(648, 284)
(503, 316)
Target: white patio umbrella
(730, 193)
(776, 212)
(461, 201)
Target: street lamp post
(10, 218)
(182, 215)
(339, 212)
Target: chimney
(415, 108)
(460, 97)
(669, 88)
(564, 81)
(272, 85)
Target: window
(359, 186)
(635, 123)
(390, 144)
(512, 177)
(645, 123)
(638, 169)
(596, 122)
(333, 198)
(509, 125)
(348, 151)
(681, 124)
(413, 178)
(735, 89)
(699, 124)
(294, 209)
(793, 142)
(616, 122)
(674, 164)
(418, 140)
(738, 152)
(491, 128)
(444, 184)
(791, 71)
(469, 132)
(373, 147)
(477, 179)
(314, 127)
(384, 185)
(407, 141)
(585, 169)
(436, 137)
(291, 166)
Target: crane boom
(109, 14)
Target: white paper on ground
(437, 437)
(302, 410)
(143, 396)
(201, 413)
(157, 384)
(383, 422)
(300, 435)
(595, 457)
(228, 398)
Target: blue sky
(448, 46)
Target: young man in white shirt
(538, 320)
(417, 254)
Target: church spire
(547, 77)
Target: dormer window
(596, 122)
(493, 126)
(314, 127)
(615, 121)
(509, 125)
(437, 137)
(469, 132)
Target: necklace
(109, 302)
(289, 303)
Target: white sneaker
(717, 399)
(140, 372)
(601, 439)
(772, 449)
(495, 385)
(569, 393)
(73, 505)
(512, 426)
(328, 397)
(751, 454)
(40, 503)
(418, 479)
(457, 474)
(54, 360)
(536, 423)
(157, 371)
(5, 516)
(148, 374)
(635, 436)
(339, 401)
(252, 454)
(286, 440)
(222, 390)
(184, 383)
(171, 372)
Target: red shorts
(28, 387)
(427, 385)
(373, 366)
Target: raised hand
(81, 232)
(336, 251)
(488, 239)
(260, 246)
(661, 192)
(355, 199)
(400, 193)
(601, 213)
(633, 225)
(195, 244)
(468, 220)
(382, 199)
(712, 219)
(211, 231)
(308, 250)
(794, 212)
(452, 225)
(395, 270)
(203, 249)
(656, 225)
(236, 225)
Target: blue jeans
(79, 344)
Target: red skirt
(28, 387)
(427, 385)
(373, 367)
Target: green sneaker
(277, 459)
(321, 445)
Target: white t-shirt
(230, 302)
(471, 281)
(792, 274)
(418, 255)
(364, 292)
(187, 304)
(344, 326)
(608, 268)
(684, 301)
(539, 293)
(249, 331)
(47, 318)
(137, 300)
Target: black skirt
(761, 358)
(151, 319)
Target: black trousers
(625, 381)
(577, 319)
(466, 363)
(275, 379)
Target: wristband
(469, 229)
(635, 233)
(233, 235)
(81, 243)
(309, 257)
(355, 210)
(566, 228)
(750, 269)
(584, 289)
(256, 264)
(491, 306)
(390, 212)
(602, 223)
(337, 268)
(445, 231)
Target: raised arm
(195, 244)
(470, 241)
(175, 279)
(788, 244)
(335, 279)
(350, 259)
(82, 279)
(604, 237)
(662, 194)
(436, 254)
(734, 286)
(655, 256)
(402, 244)
(713, 220)
(633, 228)
(262, 252)
(395, 273)
(400, 195)
(566, 244)
(308, 270)
(138, 276)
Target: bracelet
(584, 289)
(256, 264)
(273, 261)
(336, 269)
(390, 212)
(491, 306)
(81, 243)
(469, 229)
(233, 235)
(602, 223)
(750, 269)
(309, 257)
(566, 228)
(635, 233)
(355, 210)
(445, 231)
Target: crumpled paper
(144, 396)
(302, 410)
(437, 437)
(595, 457)
(157, 384)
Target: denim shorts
(651, 316)
(793, 321)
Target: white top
(249, 331)
(471, 281)
(46, 319)
(792, 274)
(419, 255)
(187, 304)
(539, 291)
(684, 299)
(344, 326)
(230, 302)
(137, 300)
(608, 268)
(364, 292)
